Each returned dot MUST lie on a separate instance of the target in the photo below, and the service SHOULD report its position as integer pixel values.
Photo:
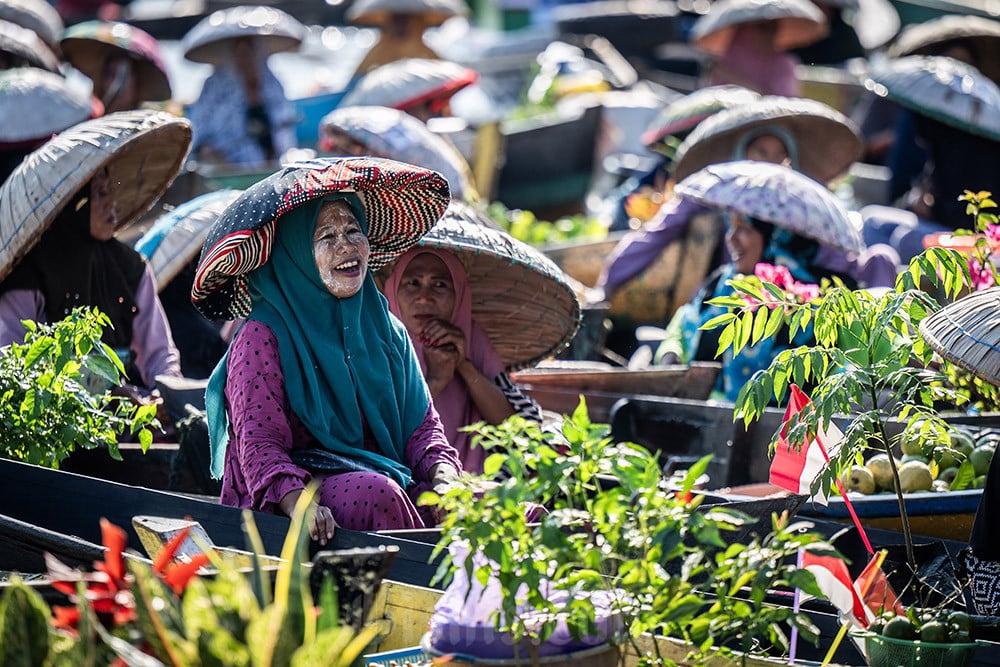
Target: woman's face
(426, 292)
(341, 249)
(745, 244)
(118, 86)
(103, 216)
(768, 148)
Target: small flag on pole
(834, 580)
(796, 471)
(878, 594)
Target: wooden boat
(668, 283)
(694, 381)
(919, 11)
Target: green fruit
(900, 627)
(876, 626)
(881, 469)
(962, 441)
(980, 459)
(915, 457)
(24, 626)
(948, 475)
(940, 486)
(945, 459)
(911, 445)
(860, 479)
(959, 637)
(961, 620)
(935, 632)
(915, 476)
(979, 482)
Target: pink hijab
(454, 405)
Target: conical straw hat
(683, 115)
(826, 141)
(210, 40)
(175, 239)
(44, 104)
(36, 15)
(981, 34)
(800, 23)
(520, 297)
(941, 88)
(88, 45)
(776, 194)
(967, 332)
(377, 12)
(25, 45)
(405, 83)
(142, 150)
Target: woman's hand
(322, 526)
(444, 351)
(443, 334)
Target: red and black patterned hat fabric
(401, 203)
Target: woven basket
(24, 44)
(519, 296)
(377, 12)
(36, 15)
(44, 104)
(967, 332)
(142, 150)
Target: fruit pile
(961, 465)
(935, 626)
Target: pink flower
(805, 292)
(982, 275)
(993, 234)
(776, 275)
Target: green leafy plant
(158, 614)
(869, 363)
(652, 548)
(524, 226)
(46, 407)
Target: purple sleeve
(428, 447)
(17, 305)
(259, 468)
(783, 78)
(155, 352)
(640, 248)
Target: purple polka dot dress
(263, 431)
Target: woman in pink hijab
(428, 290)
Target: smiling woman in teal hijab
(321, 381)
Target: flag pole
(866, 586)
(849, 505)
(796, 600)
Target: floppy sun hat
(44, 103)
(25, 45)
(683, 115)
(401, 203)
(979, 33)
(799, 23)
(520, 297)
(408, 82)
(87, 45)
(36, 15)
(210, 40)
(967, 332)
(176, 237)
(143, 152)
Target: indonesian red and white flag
(834, 580)
(878, 593)
(796, 470)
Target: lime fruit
(979, 482)
(900, 628)
(960, 620)
(911, 445)
(947, 475)
(935, 632)
(962, 441)
(980, 459)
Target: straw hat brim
(143, 152)
(800, 23)
(36, 15)
(520, 297)
(377, 12)
(406, 83)
(26, 45)
(211, 40)
(44, 103)
(925, 38)
(88, 45)
(941, 88)
(827, 142)
(683, 115)
(967, 333)
(775, 194)
(401, 203)
(176, 238)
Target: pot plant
(638, 551)
(870, 366)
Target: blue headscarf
(345, 361)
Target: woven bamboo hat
(394, 134)
(142, 150)
(967, 332)
(408, 82)
(941, 88)
(800, 23)
(520, 297)
(175, 239)
(683, 115)
(826, 141)
(401, 203)
(44, 104)
(36, 15)
(377, 12)
(981, 35)
(26, 48)
(210, 40)
(89, 44)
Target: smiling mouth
(347, 266)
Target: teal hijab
(342, 359)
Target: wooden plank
(404, 611)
